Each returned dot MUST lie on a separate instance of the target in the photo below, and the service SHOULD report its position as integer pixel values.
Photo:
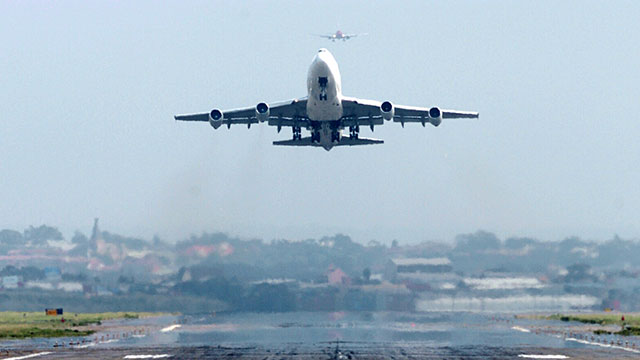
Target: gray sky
(89, 90)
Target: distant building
(102, 291)
(503, 283)
(337, 277)
(421, 274)
(52, 274)
(422, 265)
(10, 282)
(70, 286)
(39, 285)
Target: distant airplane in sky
(339, 35)
(325, 112)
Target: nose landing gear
(315, 136)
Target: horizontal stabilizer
(345, 141)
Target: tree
(40, 235)
(518, 242)
(478, 241)
(10, 237)
(79, 238)
(579, 272)
(366, 274)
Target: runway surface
(337, 335)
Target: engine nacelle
(215, 118)
(262, 112)
(387, 110)
(435, 116)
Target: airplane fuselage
(324, 90)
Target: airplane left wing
(286, 113)
(369, 112)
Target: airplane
(325, 112)
(339, 35)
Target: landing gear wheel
(354, 131)
(297, 133)
(335, 136)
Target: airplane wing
(367, 112)
(330, 37)
(286, 113)
(348, 36)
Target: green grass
(598, 318)
(20, 325)
(631, 321)
(33, 332)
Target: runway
(331, 335)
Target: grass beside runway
(630, 325)
(599, 318)
(21, 325)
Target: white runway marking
(171, 328)
(603, 345)
(161, 356)
(520, 329)
(543, 356)
(28, 356)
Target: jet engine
(435, 116)
(262, 112)
(386, 110)
(215, 118)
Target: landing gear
(315, 136)
(297, 133)
(354, 132)
(335, 135)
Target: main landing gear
(297, 133)
(354, 132)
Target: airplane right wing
(349, 36)
(286, 113)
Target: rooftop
(422, 261)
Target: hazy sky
(89, 89)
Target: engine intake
(262, 112)
(386, 110)
(435, 116)
(215, 118)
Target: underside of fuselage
(324, 101)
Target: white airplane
(325, 112)
(339, 35)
